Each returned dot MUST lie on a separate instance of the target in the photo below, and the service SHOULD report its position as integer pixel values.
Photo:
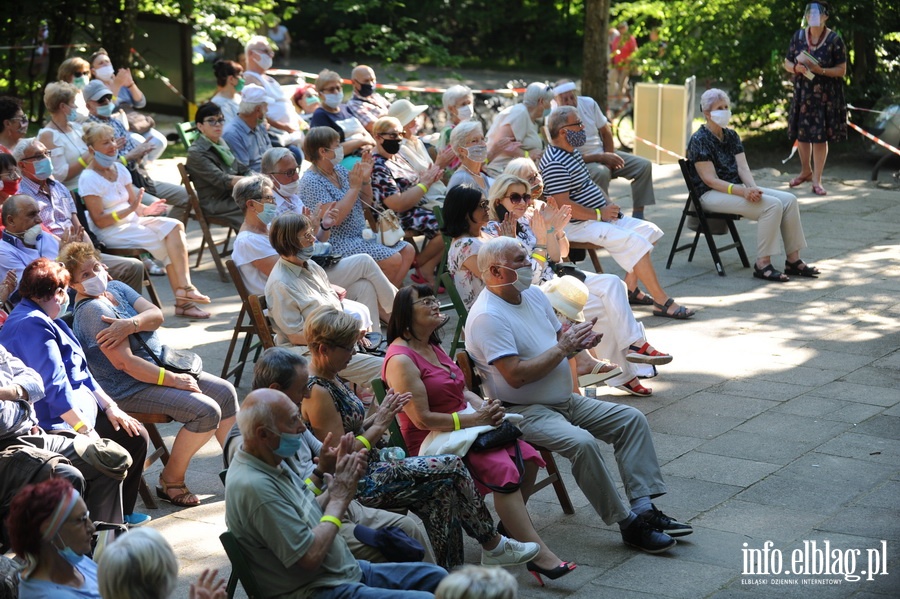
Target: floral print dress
(818, 111)
(438, 489)
(390, 177)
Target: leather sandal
(768, 273)
(597, 375)
(819, 190)
(681, 313)
(191, 293)
(647, 354)
(634, 387)
(636, 297)
(188, 309)
(183, 499)
(801, 269)
(799, 180)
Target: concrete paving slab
(672, 577)
(716, 468)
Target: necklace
(471, 172)
(333, 176)
(809, 42)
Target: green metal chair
(462, 312)
(187, 133)
(240, 568)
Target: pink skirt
(498, 466)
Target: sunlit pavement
(777, 421)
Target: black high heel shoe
(554, 573)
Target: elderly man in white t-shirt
(522, 352)
(282, 117)
(602, 161)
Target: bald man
(366, 104)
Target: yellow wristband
(315, 490)
(599, 217)
(538, 257)
(115, 216)
(455, 421)
(730, 187)
(423, 187)
(79, 425)
(333, 519)
(162, 376)
(364, 441)
(527, 155)
(82, 162)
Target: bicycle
(621, 117)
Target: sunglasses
(517, 198)
(214, 121)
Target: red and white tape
(660, 148)
(868, 135)
(401, 88)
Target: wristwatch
(20, 392)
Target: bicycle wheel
(625, 131)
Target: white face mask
(263, 60)
(720, 117)
(96, 286)
(523, 278)
(338, 155)
(333, 100)
(30, 236)
(105, 72)
(289, 189)
(464, 112)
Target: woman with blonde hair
(117, 217)
(63, 134)
(76, 71)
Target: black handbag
(180, 361)
(520, 466)
(562, 270)
(498, 437)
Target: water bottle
(391, 454)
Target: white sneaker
(513, 554)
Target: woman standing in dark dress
(818, 112)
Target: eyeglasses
(13, 174)
(351, 349)
(266, 200)
(289, 173)
(104, 100)
(214, 121)
(517, 198)
(534, 178)
(36, 157)
(393, 135)
(81, 520)
(307, 235)
(20, 119)
(81, 74)
(484, 204)
(577, 125)
(333, 90)
(430, 302)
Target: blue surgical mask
(72, 116)
(105, 109)
(43, 168)
(268, 214)
(288, 444)
(70, 556)
(306, 253)
(63, 308)
(546, 113)
(103, 160)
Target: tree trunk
(117, 22)
(596, 51)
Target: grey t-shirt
(87, 323)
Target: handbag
(180, 361)
(390, 233)
(497, 437)
(562, 270)
(520, 466)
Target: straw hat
(405, 111)
(568, 296)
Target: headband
(563, 88)
(53, 523)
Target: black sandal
(636, 297)
(769, 274)
(681, 313)
(794, 268)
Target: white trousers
(627, 239)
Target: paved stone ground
(779, 419)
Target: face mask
(306, 253)
(63, 307)
(333, 100)
(106, 72)
(338, 156)
(288, 444)
(11, 187)
(96, 286)
(72, 116)
(391, 146)
(239, 86)
(523, 278)
(289, 189)
(68, 554)
(464, 112)
(312, 100)
(103, 160)
(105, 109)
(576, 139)
(720, 117)
(80, 81)
(268, 214)
(477, 153)
(366, 90)
(546, 113)
(43, 168)
(264, 61)
(30, 236)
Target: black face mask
(366, 90)
(391, 146)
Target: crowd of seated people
(306, 175)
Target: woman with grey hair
(459, 104)
(514, 131)
(142, 565)
(467, 141)
(725, 183)
(252, 253)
